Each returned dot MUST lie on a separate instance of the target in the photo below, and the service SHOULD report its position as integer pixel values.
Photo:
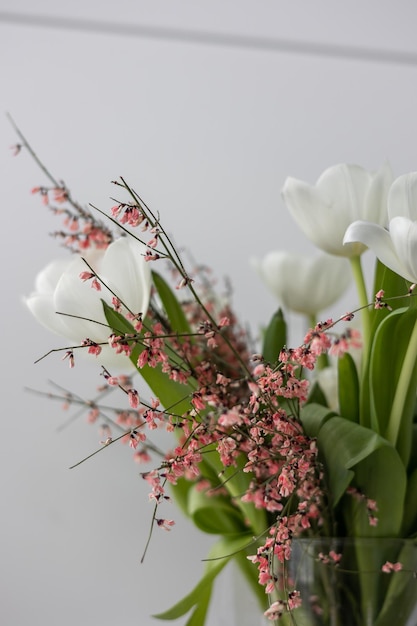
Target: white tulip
(342, 195)
(304, 284)
(396, 247)
(59, 289)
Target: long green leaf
(410, 507)
(390, 358)
(353, 453)
(171, 393)
(236, 481)
(393, 285)
(313, 416)
(198, 616)
(348, 387)
(275, 337)
(171, 305)
(401, 596)
(218, 557)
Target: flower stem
(363, 301)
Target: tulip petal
(344, 187)
(127, 274)
(376, 209)
(378, 239)
(330, 277)
(313, 215)
(74, 297)
(343, 194)
(47, 280)
(404, 238)
(402, 198)
(42, 308)
(70, 307)
(303, 284)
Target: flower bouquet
(301, 461)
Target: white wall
(207, 134)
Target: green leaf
(180, 492)
(219, 555)
(316, 395)
(401, 596)
(198, 616)
(390, 361)
(313, 416)
(171, 305)
(236, 481)
(348, 387)
(413, 453)
(173, 395)
(350, 453)
(410, 507)
(214, 514)
(380, 476)
(393, 285)
(275, 337)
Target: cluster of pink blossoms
(240, 407)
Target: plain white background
(207, 134)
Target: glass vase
(342, 582)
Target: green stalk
(359, 278)
(400, 398)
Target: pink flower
(389, 567)
(166, 524)
(133, 398)
(86, 276)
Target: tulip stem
(363, 300)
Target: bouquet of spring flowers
(302, 461)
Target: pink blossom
(197, 401)
(133, 398)
(70, 356)
(166, 524)
(389, 567)
(86, 276)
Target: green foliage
(173, 308)
(316, 395)
(173, 395)
(393, 379)
(393, 285)
(214, 514)
(223, 515)
(403, 587)
(356, 455)
(275, 337)
(198, 599)
(348, 388)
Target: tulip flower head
(396, 247)
(60, 289)
(342, 195)
(304, 284)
